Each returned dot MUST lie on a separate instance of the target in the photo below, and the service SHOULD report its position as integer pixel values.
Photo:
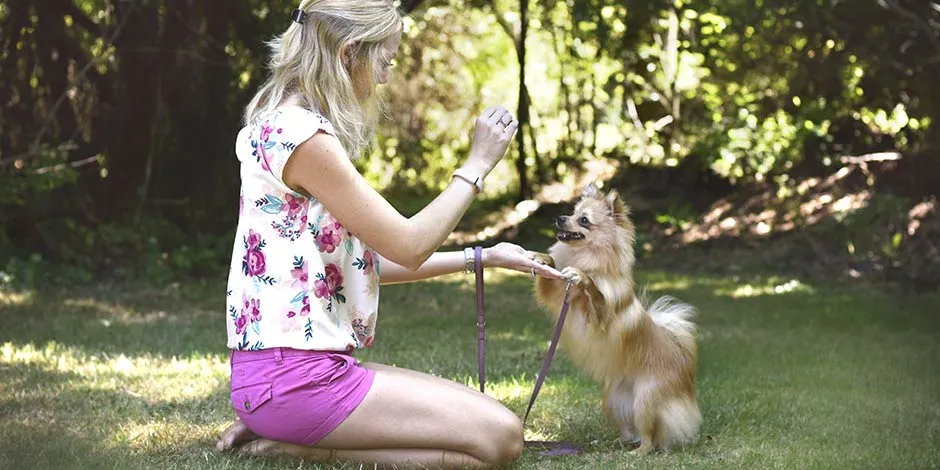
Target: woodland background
(796, 136)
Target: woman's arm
(319, 167)
(503, 255)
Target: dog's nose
(560, 221)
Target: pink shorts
(296, 396)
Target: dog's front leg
(594, 305)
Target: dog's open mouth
(566, 236)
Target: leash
(548, 448)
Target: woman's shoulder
(300, 116)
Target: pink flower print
(253, 240)
(321, 291)
(251, 309)
(240, 323)
(255, 263)
(300, 275)
(266, 130)
(363, 332)
(329, 285)
(334, 277)
(329, 238)
(366, 263)
(262, 145)
(264, 158)
(304, 308)
(250, 313)
(294, 205)
(241, 204)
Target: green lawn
(791, 376)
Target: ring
(532, 272)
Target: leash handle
(481, 322)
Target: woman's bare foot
(236, 434)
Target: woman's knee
(503, 440)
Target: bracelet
(476, 182)
(468, 264)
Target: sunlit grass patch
(9, 298)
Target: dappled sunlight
(150, 378)
(15, 298)
(164, 434)
(127, 314)
(799, 205)
(772, 288)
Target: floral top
(298, 279)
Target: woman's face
(387, 55)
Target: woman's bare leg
(413, 418)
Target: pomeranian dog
(643, 356)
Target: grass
(791, 375)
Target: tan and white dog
(643, 356)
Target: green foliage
(153, 92)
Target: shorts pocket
(249, 398)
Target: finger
(545, 270)
(511, 128)
(540, 269)
(488, 112)
(497, 115)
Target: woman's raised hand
(494, 130)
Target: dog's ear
(616, 205)
(590, 191)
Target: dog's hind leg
(648, 420)
(618, 405)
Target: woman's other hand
(510, 256)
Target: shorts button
(247, 405)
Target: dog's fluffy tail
(676, 318)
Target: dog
(643, 356)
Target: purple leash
(548, 448)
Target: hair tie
(298, 16)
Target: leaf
(271, 209)
(269, 144)
(256, 327)
(299, 297)
(348, 245)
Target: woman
(314, 242)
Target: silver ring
(532, 272)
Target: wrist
(475, 167)
(471, 177)
(486, 258)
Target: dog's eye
(584, 222)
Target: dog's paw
(541, 258)
(573, 275)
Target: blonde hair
(306, 61)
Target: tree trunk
(135, 104)
(522, 112)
